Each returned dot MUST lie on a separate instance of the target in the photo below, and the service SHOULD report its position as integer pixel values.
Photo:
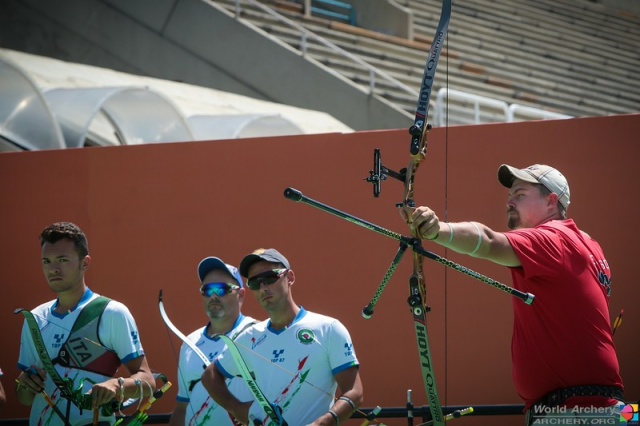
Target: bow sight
(379, 172)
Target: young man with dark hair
(87, 337)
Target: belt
(559, 396)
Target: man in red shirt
(564, 361)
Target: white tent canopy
(138, 115)
(21, 107)
(75, 104)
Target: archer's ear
(241, 293)
(291, 277)
(84, 265)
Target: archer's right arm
(215, 383)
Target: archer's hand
(103, 393)
(422, 221)
(32, 379)
(241, 412)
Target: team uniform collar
(88, 294)
(235, 325)
(301, 314)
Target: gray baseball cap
(542, 174)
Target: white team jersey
(117, 331)
(294, 367)
(201, 408)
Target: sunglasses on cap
(219, 289)
(266, 278)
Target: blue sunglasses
(219, 289)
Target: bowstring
(446, 215)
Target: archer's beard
(513, 220)
(215, 311)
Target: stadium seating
(571, 57)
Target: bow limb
(417, 152)
(177, 332)
(420, 128)
(165, 317)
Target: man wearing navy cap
(222, 294)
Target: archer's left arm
(140, 383)
(140, 377)
(350, 399)
(127, 345)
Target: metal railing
(481, 108)
(305, 35)
(472, 109)
(516, 110)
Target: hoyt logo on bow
(417, 287)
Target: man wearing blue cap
(565, 367)
(222, 293)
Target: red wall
(152, 212)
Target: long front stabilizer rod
(297, 196)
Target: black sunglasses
(266, 278)
(219, 289)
